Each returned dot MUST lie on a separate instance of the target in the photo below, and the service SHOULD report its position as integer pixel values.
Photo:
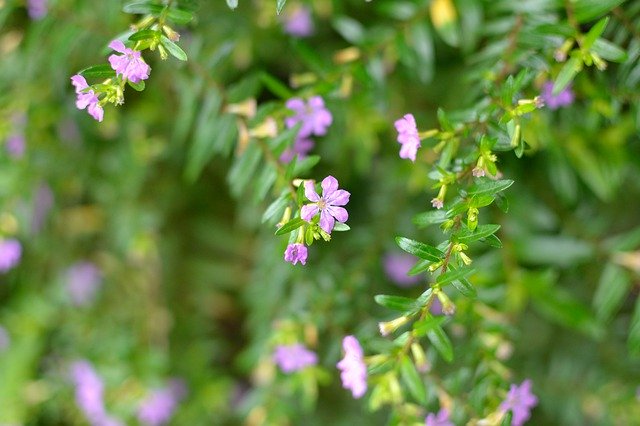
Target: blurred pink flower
(10, 254)
(295, 357)
(297, 22)
(83, 281)
(520, 400)
(352, 367)
(396, 266)
(158, 408)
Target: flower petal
(327, 221)
(338, 198)
(339, 213)
(118, 46)
(308, 212)
(295, 104)
(79, 82)
(310, 191)
(329, 186)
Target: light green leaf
(232, 3)
(412, 379)
(570, 69)
(488, 186)
(175, 50)
(280, 5)
(466, 236)
(441, 342)
(292, 225)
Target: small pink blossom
(297, 22)
(158, 408)
(564, 98)
(408, 136)
(328, 205)
(478, 172)
(130, 64)
(437, 203)
(440, 419)
(87, 98)
(83, 281)
(10, 254)
(396, 266)
(296, 253)
(37, 9)
(301, 148)
(520, 400)
(353, 369)
(313, 115)
(295, 357)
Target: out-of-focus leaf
(570, 69)
(244, 168)
(609, 51)
(175, 50)
(232, 3)
(595, 32)
(552, 250)
(441, 342)
(412, 379)
(633, 341)
(431, 217)
(445, 20)
(276, 208)
(350, 29)
(612, 288)
(280, 5)
(587, 10)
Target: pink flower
(298, 23)
(408, 136)
(37, 9)
(301, 147)
(396, 266)
(441, 419)
(83, 281)
(296, 253)
(87, 98)
(519, 401)
(16, 144)
(564, 98)
(10, 254)
(327, 205)
(352, 367)
(294, 357)
(158, 408)
(313, 115)
(130, 64)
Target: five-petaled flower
(130, 64)
(519, 401)
(440, 419)
(313, 115)
(408, 136)
(87, 98)
(353, 369)
(328, 205)
(295, 357)
(296, 253)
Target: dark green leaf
(412, 379)
(454, 274)
(493, 241)
(423, 251)
(292, 225)
(441, 342)
(275, 86)
(396, 303)
(465, 288)
(179, 16)
(423, 326)
(466, 236)
(430, 218)
(173, 48)
(488, 186)
(613, 287)
(633, 341)
(587, 10)
(98, 71)
(567, 73)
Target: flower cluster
(295, 357)
(520, 401)
(130, 65)
(314, 119)
(158, 408)
(352, 367)
(408, 136)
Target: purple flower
(83, 281)
(130, 64)
(294, 357)
(297, 22)
(408, 136)
(441, 419)
(158, 408)
(396, 266)
(5, 340)
(327, 205)
(10, 254)
(564, 98)
(89, 391)
(42, 203)
(87, 98)
(301, 147)
(520, 401)
(37, 9)
(296, 253)
(16, 144)
(353, 369)
(313, 115)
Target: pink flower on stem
(408, 136)
(87, 98)
(328, 205)
(130, 64)
(519, 401)
(295, 357)
(298, 23)
(296, 253)
(313, 115)
(353, 369)
(440, 419)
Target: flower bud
(267, 129)
(171, 34)
(245, 108)
(389, 327)
(448, 308)
(420, 358)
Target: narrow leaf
(175, 50)
(454, 274)
(441, 342)
(232, 3)
(482, 231)
(292, 225)
(488, 186)
(567, 74)
(396, 303)
(280, 5)
(423, 251)
(412, 379)
(98, 71)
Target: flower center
(322, 204)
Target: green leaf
(507, 419)
(609, 51)
(570, 69)
(423, 251)
(488, 186)
(429, 218)
(292, 225)
(465, 288)
(280, 5)
(587, 10)
(466, 236)
(139, 86)
(423, 326)
(276, 208)
(341, 227)
(143, 8)
(232, 3)
(493, 241)
(412, 379)
(595, 32)
(396, 303)
(173, 48)
(243, 168)
(304, 165)
(441, 342)
(350, 29)
(420, 266)
(275, 86)
(613, 287)
(179, 16)
(264, 182)
(633, 341)
(98, 71)
(454, 274)
(145, 34)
